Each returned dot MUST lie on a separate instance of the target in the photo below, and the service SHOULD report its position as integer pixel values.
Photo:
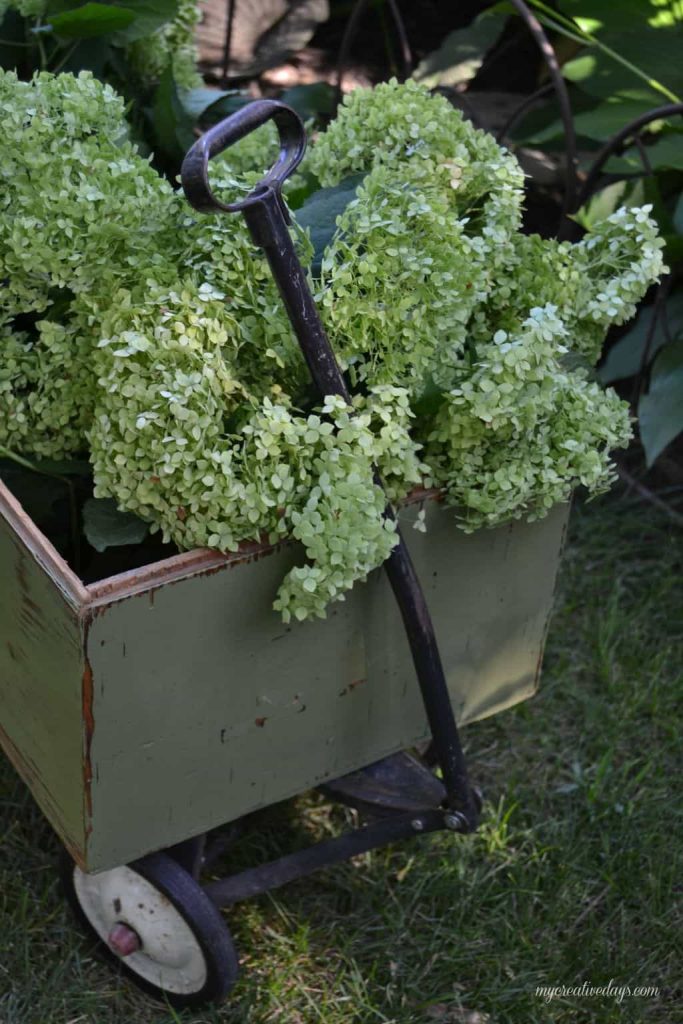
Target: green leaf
(633, 43)
(63, 467)
(601, 122)
(673, 248)
(625, 357)
(666, 153)
(601, 205)
(320, 211)
(91, 20)
(311, 100)
(461, 54)
(430, 400)
(106, 527)
(195, 102)
(173, 126)
(579, 68)
(299, 188)
(678, 215)
(150, 15)
(660, 411)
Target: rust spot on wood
(260, 722)
(205, 562)
(89, 728)
(75, 853)
(352, 686)
(192, 564)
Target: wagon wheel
(155, 921)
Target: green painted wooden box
(161, 702)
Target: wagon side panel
(491, 597)
(206, 706)
(41, 675)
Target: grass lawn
(573, 876)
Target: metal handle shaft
(267, 219)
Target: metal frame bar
(255, 881)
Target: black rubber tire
(202, 916)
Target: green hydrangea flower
(157, 339)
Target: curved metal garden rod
(267, 218)
(612, 145)
(227, 43)
(658, 314)
(550, 57)
(644, 158)
(522, 108)
(351, 30)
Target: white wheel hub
(169, 955)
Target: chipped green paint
(41, 667)
(180, 701)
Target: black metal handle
(194, 171)
(266, 216)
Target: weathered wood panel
(205, 706)
(160, 703)
(41, 671)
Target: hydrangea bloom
(157, 338)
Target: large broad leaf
(211, 105)
(603, 203)
(196, 102)
(150, 15)
(625, 357)
(106, 527)
(660, 411)
(91, 20)
(173, 126)
(664, 154)
(601, 122)
(461, 54)
(309, 101)
(646, 36)
(62, 467)
(678, 215)
(320, 212)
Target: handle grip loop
(195, 168)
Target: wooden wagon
(147, 709)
